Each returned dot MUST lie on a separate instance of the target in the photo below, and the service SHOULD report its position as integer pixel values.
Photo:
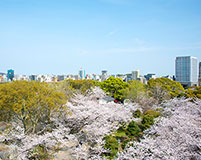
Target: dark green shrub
(111, 143)
(145, 126)
(148, 119)
(124, 143)
(133, 130)
(137, 114)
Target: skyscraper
(186, 70)
(10, 75)
(199, 79)
(82, 73)
(104, 75)
(135, 75)
(200, 70)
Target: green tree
(114, 86)
(194, 92)
(82, 86)
(30, 102)
(135, 91)
(164, 88)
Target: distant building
(10, 75)
(142, 79)
(200, 70)
(128, 77)
(82, 73)
(2, 74)
(169, 77)
(135, 75)
(104, 75)
(61, 77)
(33, 77)
(199, 78)
(186, 70)
(150, 76)
(54, 79)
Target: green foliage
(194, 92)
(40, 152)
(127, 133)
(124, 143)
(145, 126)
(164, 88)
(30, 102)
(148, 119)
(115, 87)
(153, 113)
(135, 91)
(133, 129)
(63, 86)
(111, 143)
(137, 114)
(83, 86)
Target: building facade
(104, 75)
(10, 75)
(199, 78)
(82, 73)
(135, 75)
(186, 70)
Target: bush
(124, 143)
(111, 143)
(148, 119)
(133, 130)
(145, 126)
(137, 114)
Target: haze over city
(59, 37)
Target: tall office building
(82, 73)
(186, 70)
(199, 79)
(200, 70)
(135, 75)
(104, 75)
(10, 75)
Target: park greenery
(115, 87)
(37, 107)
(127, 133)
(31, 103)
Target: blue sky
(60, 36)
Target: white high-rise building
(104, 75)
(186, 70)
(135, 75)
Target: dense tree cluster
(31, 103)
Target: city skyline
(58, 37)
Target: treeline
(156, 90)
(33, 103)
